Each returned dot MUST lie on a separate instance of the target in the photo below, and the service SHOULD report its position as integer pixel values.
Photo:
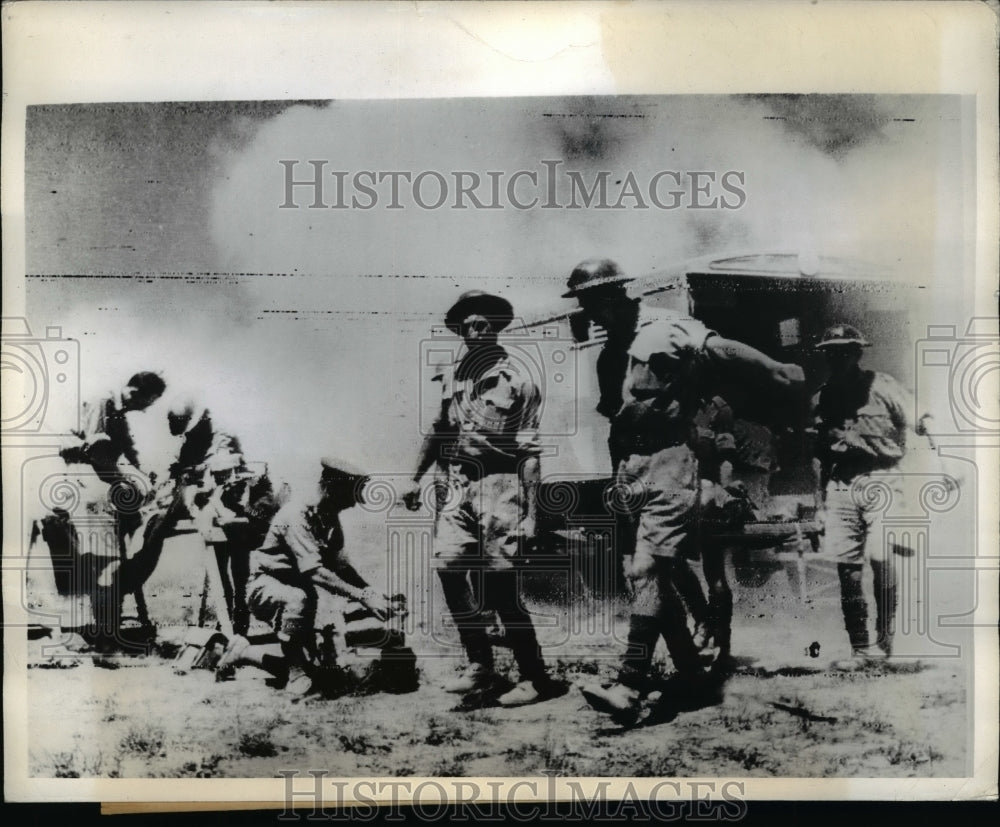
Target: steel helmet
(840, 335)
(594, 272)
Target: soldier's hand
(397, 606)
(789, 374)
(376, 603)
(412, 497)
(73, 455)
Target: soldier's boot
(474, 676)
(622, 699)
(855, 611)
(621, 702)
(300, 659)
(886, 600)
(692, 687)
(233, 655)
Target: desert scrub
(442, 732)
(552, 754)
(454, 766)
(143, 740)
(257, 744)
(207, 767)
(257, 741)
(360, 745)
(907, 754)
(75, 764)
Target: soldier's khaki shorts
(664, 496)
(289, 609)
(477, 524)
(855, 512)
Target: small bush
(257, 745)
(360, 745)
(144, 740)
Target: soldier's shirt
(491, 411)
(298, 543)
(651, 433)
(864, 424)
(663, 384)
(107, 419)
(197, 442)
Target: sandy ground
(784, 713)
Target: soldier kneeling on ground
(302, 554)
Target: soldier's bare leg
(720, 599)
(466, 614)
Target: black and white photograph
(583, 435)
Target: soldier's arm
(346, 572)
(75, 448)
(131, 454)
(329, 580)
(729, 352)
(368, 597)
(430, 447)
(430, 452)
(901, 405)
(529, 447)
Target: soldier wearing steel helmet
(651, 374)
(599, 287)
(861, 425)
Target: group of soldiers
(272, 550)
(656, 370)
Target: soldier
(304, 552)
(487, 433)
(102, 443)
(862, 427)
(618, 319)
(735, 463)
(664, 357)
(105, 438)
(216, 485)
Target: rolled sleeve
(898, 401)
(676, 338)
(303, 547)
